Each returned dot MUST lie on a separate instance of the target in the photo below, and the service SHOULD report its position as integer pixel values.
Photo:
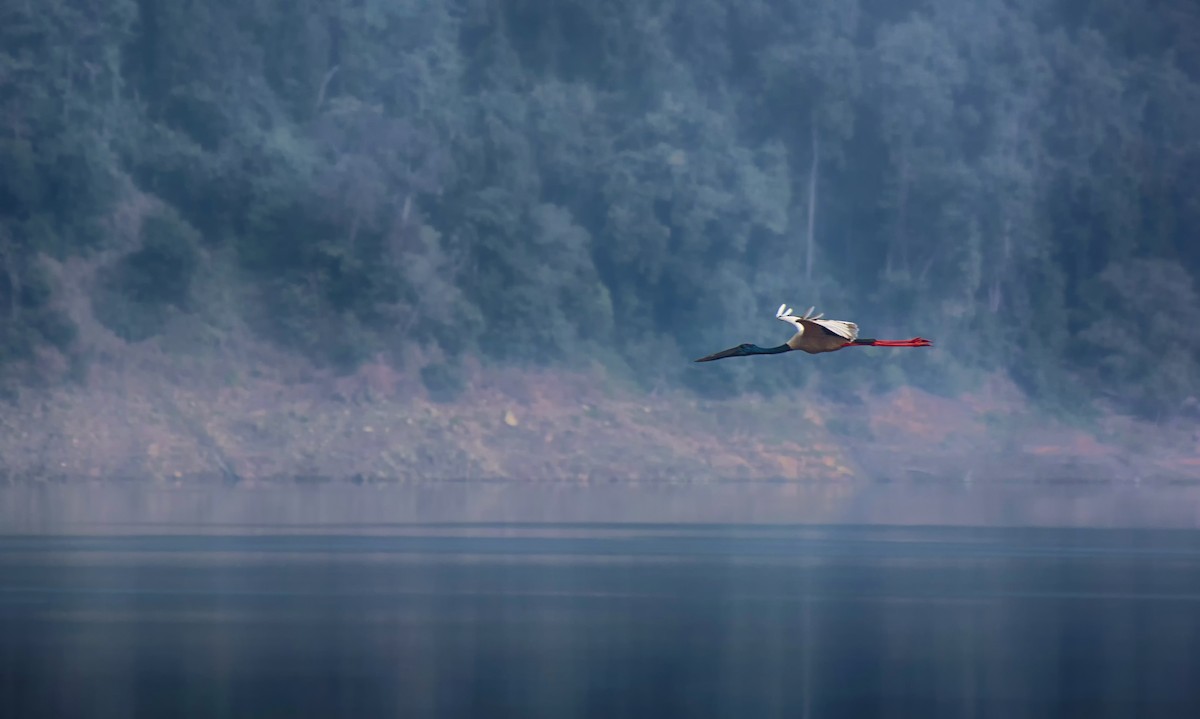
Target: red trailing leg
(914, 342)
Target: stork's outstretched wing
(841, 328)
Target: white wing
(841, 328)
(785, 313)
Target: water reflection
(603, 620)
(144, 507)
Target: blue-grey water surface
(540, 619)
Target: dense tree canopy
(636, 181)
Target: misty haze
(348, 358)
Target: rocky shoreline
(169, 422)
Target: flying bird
(814, 335)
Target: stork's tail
(914, 342)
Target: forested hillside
(633, 182)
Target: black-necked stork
(814, 335)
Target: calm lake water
(600, 619)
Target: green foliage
(628, 181)
(161, 270)
(138, 293)
(1137, 346)
(544, 300)
(28, 315)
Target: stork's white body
(814, 334)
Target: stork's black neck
(745, 350)
(756, 350)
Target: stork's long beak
(731, 352)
